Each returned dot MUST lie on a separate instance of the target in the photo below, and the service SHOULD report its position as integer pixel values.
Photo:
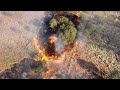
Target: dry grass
(15, 38)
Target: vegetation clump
(65, 28)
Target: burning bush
(57, 31)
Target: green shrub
(89, 30)
(53, 23)
(67, 30)
(67, 33)
(65, 27)
(62, 19)
(39, 69)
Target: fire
(46, 55)
(41, 50)
(52, 39)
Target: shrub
(67, 33)
(53, 23)
(39, 69)
(89, 30)
(66, 28)
(62, 19)
(113, 75)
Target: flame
(37, 46)
(52, 39)
(45, 56)
(41, 50)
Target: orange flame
(44, 54)
(52, 39)
(41, 50)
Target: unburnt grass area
(17, 29)
(103, 33)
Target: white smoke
(81, 39)
(59, 47)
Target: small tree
(67, 33)
(65, 27)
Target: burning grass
(56, 35)
(41, 50)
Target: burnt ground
(26, 69)
(97, 55)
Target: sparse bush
(39, 69)
(114, 75)
(89, 30)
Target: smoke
(50, 41)
(81, 39)
(46, 36)
(59, 47)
